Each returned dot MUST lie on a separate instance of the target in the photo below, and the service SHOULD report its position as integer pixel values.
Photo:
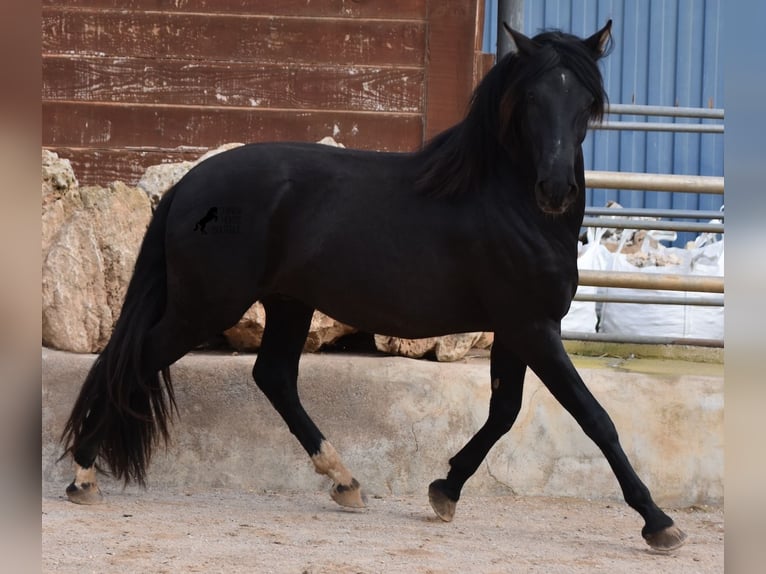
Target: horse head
(555, 90)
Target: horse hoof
(350, 496)
(85, 493)
(443, 505)
(667, 539)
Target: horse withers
(475, 232)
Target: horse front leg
(545, 354)
(507, 375)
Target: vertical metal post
(512, 12)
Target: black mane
(461, 158)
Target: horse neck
(455, 162)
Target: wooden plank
(392, 9)
(75, 124)
(449, 76)
(134, 80)
(103, 166)
(233, 37)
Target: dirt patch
(233, 531)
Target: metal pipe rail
(648, 212)
(624, 223)
(667, 111)
(670, 111)
(654, 182)
(665, 281)
(641, 339)
(659, 127)
(712, 301)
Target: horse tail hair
(123, 408)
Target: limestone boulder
(90, 240)
(58, 182)
(445, 349)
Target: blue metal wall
(666, 52)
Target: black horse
(475, 232)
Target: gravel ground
(300, 533)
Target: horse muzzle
(554, 197)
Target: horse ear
(524, 46)
(600, 42)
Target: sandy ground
(299, 533)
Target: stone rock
(413, 348)
(57, 176)
(247, 334)
(324, 330)
(157, 179)
(58, 182)
(447, 348)
(91, 237)
(329, 140)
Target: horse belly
(408, 288)
(403, 310)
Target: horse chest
(534, 274)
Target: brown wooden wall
(131, 83)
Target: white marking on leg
(84, 475)
(84, 488)
(328, 462)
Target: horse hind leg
(276, 374)
(84, 488)
(174, 335)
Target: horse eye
(530, 97)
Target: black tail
(123, 408)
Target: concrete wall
(397, 421)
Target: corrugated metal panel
(489, 38)
(666, 52)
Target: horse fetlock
(327, 461)
(346, 490)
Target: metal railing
(711, 287)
